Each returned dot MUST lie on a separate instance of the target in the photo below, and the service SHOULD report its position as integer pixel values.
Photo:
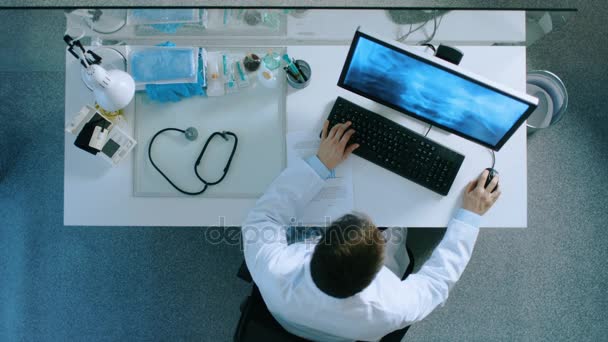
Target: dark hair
(348, 256)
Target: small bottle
(272, 60)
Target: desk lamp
(113, 89)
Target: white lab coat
(282, 272)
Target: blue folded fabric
(173, 92)
(153, 65)
(161, 15)
(176, 92)
(167, 28)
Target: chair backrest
(257, 324)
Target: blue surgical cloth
(167, 28)
(161, 16)
(177, 91)
(159, 64)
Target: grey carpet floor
(547, 282)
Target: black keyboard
(398, 149)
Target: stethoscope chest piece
(191, 133)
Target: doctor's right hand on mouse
(480, 199)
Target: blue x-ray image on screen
(430, 92)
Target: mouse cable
(410, 31)
(428, 130)
(436, 24)
(430, 38)
(430, 46)
(493, 157)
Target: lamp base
(108, 114)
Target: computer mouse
(491, 175)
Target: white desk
(95, 194)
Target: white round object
(108, 21)
(268, 78)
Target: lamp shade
(113, 89)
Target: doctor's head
(348, 256)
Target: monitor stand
(437, 130)
(454, 56)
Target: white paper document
(336, 197)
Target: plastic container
(142, 16)
(185, 29)
(162, 64)
(229, 74)
(306, 71)
(272, 60)
(215, 74)
(242, 77)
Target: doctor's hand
(333, 149)
(480, 199)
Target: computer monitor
(434, 91)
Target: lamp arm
(77, 50)
(82, 58)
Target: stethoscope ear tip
(223, 135)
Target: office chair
(257, 324)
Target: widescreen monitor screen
(433, 93)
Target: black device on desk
(433, 91)
(398, 149)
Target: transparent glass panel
(542, 23)
(324, 26)
(155, 23)
(254, 113)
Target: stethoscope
(191, 134)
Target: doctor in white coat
(346, 284)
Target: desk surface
(95, 194)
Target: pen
(287, 70)
(300, 70)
